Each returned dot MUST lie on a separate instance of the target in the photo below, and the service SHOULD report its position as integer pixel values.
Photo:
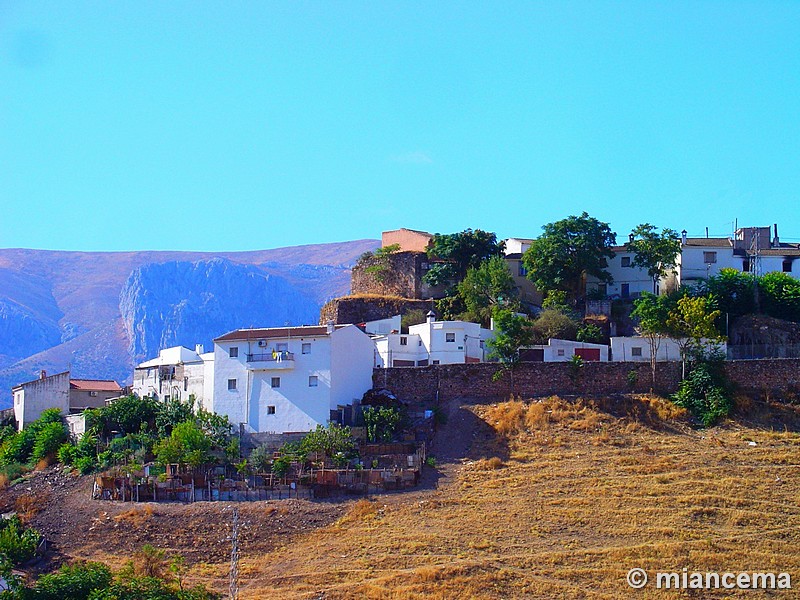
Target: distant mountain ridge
(98, 313)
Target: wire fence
(748, 351)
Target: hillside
(101, 312)
(547, 499)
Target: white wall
(635, 278)
(637, 349)
(557, 350)
(384, 326)
(36, 396)
(341, 362)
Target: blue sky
(246, 125)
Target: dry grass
(589, 490)
(29, 505)
(135, 516)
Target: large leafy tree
(568, 250)
(512, 332)
(780, 296)
(486, 286)
(655, 252)
(652, 312)
(460, 252)
(691, 322)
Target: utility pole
(234, 574)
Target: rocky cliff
(183, 303)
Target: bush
(703, 393)
(85, 464)
(71, 581)
(49, 440)
(67, 454)
(17, 543)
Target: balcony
(269, 361)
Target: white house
(557, 350)
(177, 372)
(750, 250)
(629, 281)
(637, 349)
(433, 343)
(62, 392)
(290, 379)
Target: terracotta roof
(710, 242)
(780, 252)
(94, 385)
(276, 332)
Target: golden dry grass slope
(558, 499)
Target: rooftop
(276, 332)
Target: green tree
(512, 332)
(780, 296)
(567, 251)
(732, 290)
(690, 323)
(379, 263)
(488, 285)
(331, 440)
(460, 252)
(554, 324)
(381, 422)
(651, 312)
(186, 445)
(655, 252)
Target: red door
(588, 353)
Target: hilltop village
(359, 404)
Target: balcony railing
(269, 356)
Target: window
(625, 290)
(276, 382)
(449, 337)
(404, 341)
(709, 257)
(419, 342)
(436, 362)
(231, 384)
(625, 261)
(306, 349)
(602, 289)
(636, 351)
(282, 347)
(93, 394)
(270, 410)
(561, 352)
(166, 398)
(746, 265)
(233, 352)
(787, 266)
(313, 381)
(185, 384)
(522, 270)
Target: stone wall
(421, 384)
(398, 274)
(360, 309)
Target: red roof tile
(94, 385)
(275, 332)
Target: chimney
(430, 317)
(198, 348)
(329, 327)
(42, 374)
(776, 241)
(683, 237)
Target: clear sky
(245, 125)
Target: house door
(532, 355)
(625, 290)
(592, 354)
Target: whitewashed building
(434, 343)
(177, 372)
(637, 349)
(290, 379)
(62, 392)
(557, 350)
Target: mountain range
(100, 313)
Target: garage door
(588, 353)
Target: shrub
(17, 543)
(71, 581)
(260, 459)
(85, 464)
(48, 440)
(703, 393)
(67, 454)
